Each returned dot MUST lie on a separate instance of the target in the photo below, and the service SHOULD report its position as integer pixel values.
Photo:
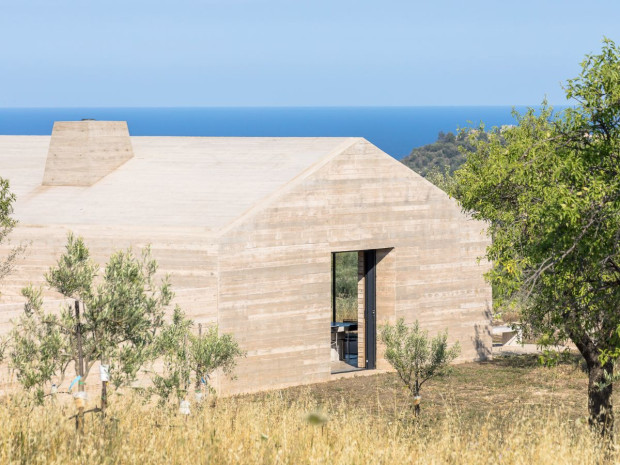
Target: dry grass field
(502, 412)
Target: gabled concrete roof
(204, 182)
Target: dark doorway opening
(344, 326)
(353, 326)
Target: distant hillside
(439, 155)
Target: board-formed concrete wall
(185, 255)
(265, 275)
(275, 266)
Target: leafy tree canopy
(191, 357)
(550, 195)
(7, 223)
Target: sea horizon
(394, 129)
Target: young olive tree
(190, 356)
(38, 351)
(123, 316)
(549, 191)
(7, 223)
(210, 351)
(415, 357)
(53, 336)
(172, 344)
(113, 321)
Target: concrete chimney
(83, 152)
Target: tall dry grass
(274, 429)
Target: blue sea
(396, 130)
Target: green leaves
(74, 272)
(187, 354)
(416, 357)
(7, 223)
(38, 350)
(551, 201)
(552, 212)
(127, 309)
(7, 198)
(172, 346)
(122, 325)
(211, 351)
(441, 157)
(122, 313)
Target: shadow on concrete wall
(482, 338)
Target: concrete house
(247, 228)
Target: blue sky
(295, 52)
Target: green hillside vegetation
(447, 154)
(443, 154)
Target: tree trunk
(104, 396)
(600, 409)
(79, 419)
(198, 367)
(416, 409)
(104, 375)
(599, 400)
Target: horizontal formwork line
(47, 301)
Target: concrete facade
(246, 228)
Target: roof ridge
(262, 203)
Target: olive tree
(415, 356)
(549, 191)
(172, 346)
(7, 262)
(192, 357)
(7, 224)
(38, 348)
(112, 321)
